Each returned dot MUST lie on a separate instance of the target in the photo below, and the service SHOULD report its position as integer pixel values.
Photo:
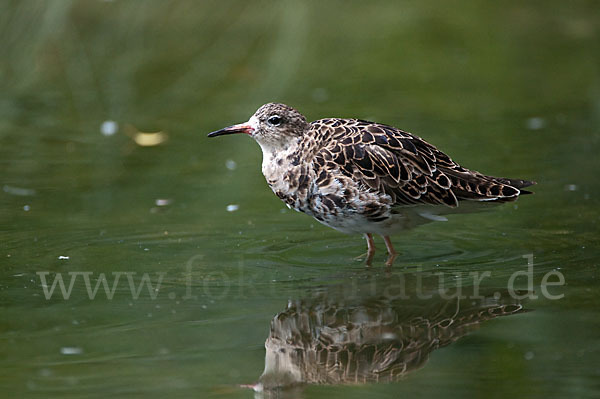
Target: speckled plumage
(357, 176)
(329, 340)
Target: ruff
(359, 177)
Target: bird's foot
(367, 257)
(390, 260)
(392, 254)
(370, 249)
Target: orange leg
(391, 251)
(370, 248)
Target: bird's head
(273, 126)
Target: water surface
(206, 259)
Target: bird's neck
(278, 155)
(280, 165)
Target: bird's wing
(406, 167)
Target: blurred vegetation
(509, 88)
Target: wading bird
(362, 177)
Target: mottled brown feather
(354, 175)
(406, 167)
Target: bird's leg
(391, 251)
(370, 248)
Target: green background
(508, 88)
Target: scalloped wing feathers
(405, 167)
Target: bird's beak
(240, 128)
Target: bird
(335, 340)
(362, 177)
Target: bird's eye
(275, 120)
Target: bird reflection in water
(334, 340)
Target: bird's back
(396, 163)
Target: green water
(508, 88)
